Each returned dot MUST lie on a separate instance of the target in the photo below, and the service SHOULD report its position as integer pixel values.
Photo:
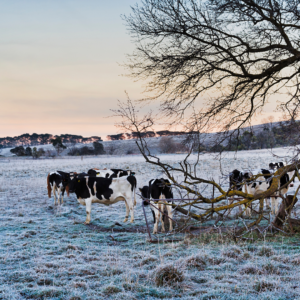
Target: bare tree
(203, 206)
(240, 51)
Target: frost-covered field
(47, 253)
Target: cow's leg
(62, 195)
(127, 212)
(157, 216)
(267, 203)
(54, 193)
(273, 205)
(128, 199)
(88, 208)
(170, 214)
(134, 197)
(162, 209)
(58, 195)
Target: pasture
(47, 253)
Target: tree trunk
(284, 211)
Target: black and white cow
(112, 173)
(240, 180)
(274, 166)
(54, 184)
(159, 189)
(106, 191)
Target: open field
(47, 253)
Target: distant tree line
(96, 149)
(282, 135)
(44, 139)
(34, 152)
(147, 134)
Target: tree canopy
(231, 54)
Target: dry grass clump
(111, 289)
(148, 260)
(271, 268)
(265, 251)
(233, 252)
(216, 260)
(250, 269)
(264, 285)
(167, 275)
(296, 260)
(80, 284)
(195, 261)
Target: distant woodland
(44, 139)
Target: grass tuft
(265, 251)
(195, 261)
(168, 275)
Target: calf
(159, 189)
(106, 191)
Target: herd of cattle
(241, 181)
(110, 186)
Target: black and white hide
(159, 189)
(105, 191)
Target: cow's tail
(49, 186)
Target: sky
(60, 66)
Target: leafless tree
(231, 55)
(203, 207)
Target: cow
(241, 181)
(111, 173)
(159, 189)
(274, 166)
(54, 183)
(106, 191)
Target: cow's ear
(140, 189)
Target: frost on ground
(47, 253)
